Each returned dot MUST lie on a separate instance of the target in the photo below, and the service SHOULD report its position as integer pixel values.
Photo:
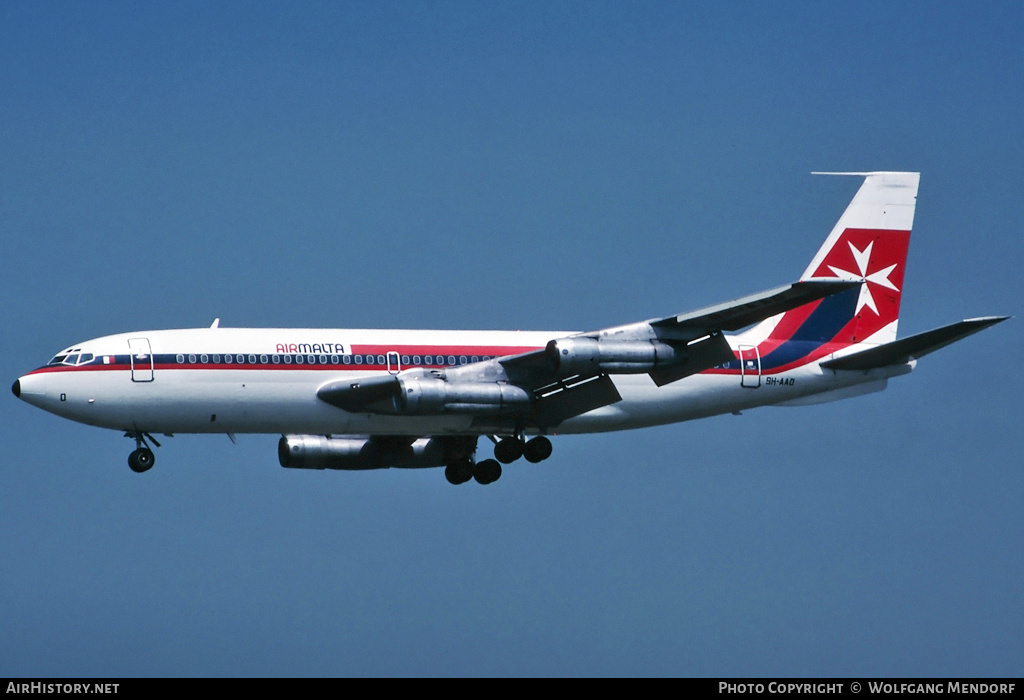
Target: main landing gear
(460, 465)
(462, 470)
(142, 458)
(510, 449)
(506, 451)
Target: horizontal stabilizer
(914, 347)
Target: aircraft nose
(30, 388)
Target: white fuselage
(236, 380)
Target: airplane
(371, 399)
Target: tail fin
(869, 245)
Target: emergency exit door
(141, 359)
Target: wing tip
(987, 319)
(867, 173)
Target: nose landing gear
(142, 458)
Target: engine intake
(360, 394)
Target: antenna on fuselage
(216, 323)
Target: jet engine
(320, 452)
(570, 356)
(418, 395)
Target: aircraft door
(394, 363)
(141, 358)
(750, 367)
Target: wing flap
(913, 347)
(568, 399)
(700, 355)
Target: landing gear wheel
(537, 450)
(141, 460)
(459, 472)
(487, 471)
(508, 450)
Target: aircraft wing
(667, 349)
(534, 369)
(740, 313)
(913, 347)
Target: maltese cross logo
(879, 277)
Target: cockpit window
(73, 359)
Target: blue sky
(510, 165)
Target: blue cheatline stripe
(822, 326)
